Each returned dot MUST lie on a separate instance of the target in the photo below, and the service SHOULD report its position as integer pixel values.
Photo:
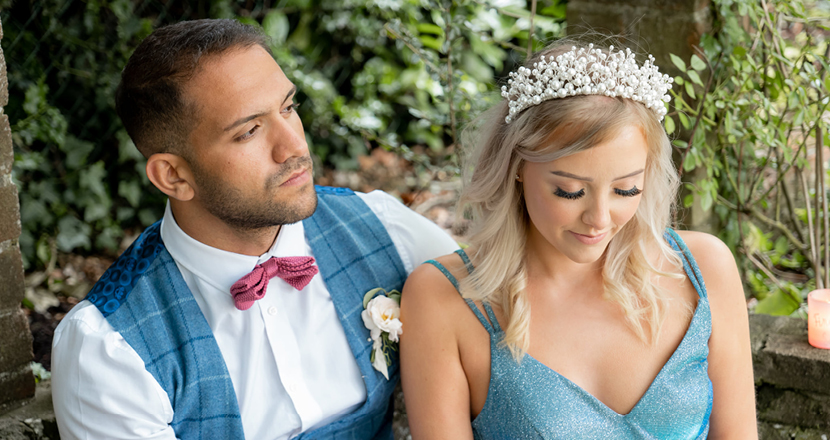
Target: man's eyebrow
(588, 179)
(241, 121)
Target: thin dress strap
(492, 316)
(689, 264)
(471, 304)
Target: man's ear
(171, 174)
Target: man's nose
(287, 140)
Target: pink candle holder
(818, 318)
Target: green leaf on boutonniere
(371, 294)
(395, 295)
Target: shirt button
(272, 311)
(291, 388)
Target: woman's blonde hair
(493, 198)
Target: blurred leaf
(678, 62)
(695, 78)
(669, 124)
(698, 63)
(72, 234)
(275, 24)
(778, 303)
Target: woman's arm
(730, 356)
(435, 386)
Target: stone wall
(16, 381)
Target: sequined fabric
(528, 400)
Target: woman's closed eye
(578, 194)
(569, 195)
(628, 192)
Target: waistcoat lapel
(355, 254)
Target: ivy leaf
(92, 179)
(72, 233)
(678, 62)
(130, 190)
(76, 151)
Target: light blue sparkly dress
(528, 400)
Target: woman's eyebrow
(589, 179)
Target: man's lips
(299, 177)
(589, 239)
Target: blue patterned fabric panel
(355, 254)
(145, 299)
(528, 400)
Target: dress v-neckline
(582, 391)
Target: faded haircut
(150, 99)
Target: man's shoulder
(115, 284)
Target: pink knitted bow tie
(296, 271)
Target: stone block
(16, 385)
(762, 326)
(6, 150)
(789, 361)
(9, 213)
(11, 275)
(35, 420)
(16, 348)
(777, 431)
(791, 407)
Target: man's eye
(248, 134)
(291, 108)
(628, 192)
(569, 195)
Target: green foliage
(395, 74)
(748, 109)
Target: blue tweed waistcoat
(144, 297)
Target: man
(177, 340)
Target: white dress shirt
(287, 356)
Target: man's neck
(206, 228)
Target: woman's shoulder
(436, 284)
(719, 270)
(710, 253)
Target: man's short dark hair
(149, 99)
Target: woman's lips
(589, 239)
(298, 178)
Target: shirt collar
(222, 268)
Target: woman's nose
(597, 215)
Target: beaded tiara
(588, 72)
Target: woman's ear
(171, 175)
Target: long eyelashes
(628, 192)
(569, 195)
(578, 194)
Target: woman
(582, 315)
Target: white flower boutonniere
(382, 318)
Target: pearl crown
(588, 72)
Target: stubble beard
(244, 213)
